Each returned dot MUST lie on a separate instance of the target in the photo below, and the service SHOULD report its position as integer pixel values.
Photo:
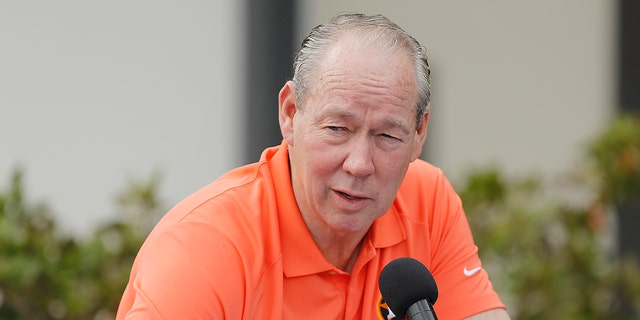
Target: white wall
(522, 84)
(95, 93)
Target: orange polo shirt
(239, 249)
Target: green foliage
(616, 158)
(549, 258)
(46, 274)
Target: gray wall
(93, 94)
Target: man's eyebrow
(346, 115)
(393, 123)
(337, 113)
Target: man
(305, 232)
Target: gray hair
(381, 29)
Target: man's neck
(340, 250)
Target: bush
(46, 274)
(550, 258)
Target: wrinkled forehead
(353, 59)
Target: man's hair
(376, 27)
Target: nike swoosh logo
(471, 272)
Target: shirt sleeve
(463, 284)
(181, 273)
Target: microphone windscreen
(405, 281)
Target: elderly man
(305, 232)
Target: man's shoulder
(242, 201)
(231, 216)
(425, 184)
(423, 172)
(238, 201)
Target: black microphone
(409, 289)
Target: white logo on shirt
(471, 272)
(391, 315)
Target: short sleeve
(463, 284)
(188, 271)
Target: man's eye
(334, 128)
(384, 135)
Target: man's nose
(359, 159)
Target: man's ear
(421, 136)
(287, 109)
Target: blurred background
(113, 111)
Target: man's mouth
(348, 196)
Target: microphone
(409, 289)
